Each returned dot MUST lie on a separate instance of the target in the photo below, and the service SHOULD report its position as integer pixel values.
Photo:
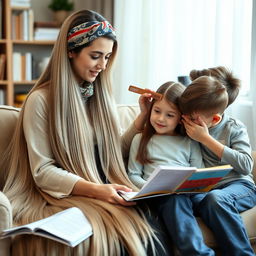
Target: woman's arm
(104, 192)
(48, 176)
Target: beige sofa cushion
(8, 118)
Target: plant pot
(60, 16)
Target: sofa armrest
(5, 222)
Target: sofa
(126, 115)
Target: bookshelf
(13, 41)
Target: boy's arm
(238, 151)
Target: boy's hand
(196, 131)
(199, 132)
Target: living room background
(161, 40)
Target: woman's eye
(94, 57)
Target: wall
(43, 13)
(244, 111)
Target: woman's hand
(104, 192)
(109, 193)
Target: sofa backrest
(8, 119)
(9, 116)
(128, 113)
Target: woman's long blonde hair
(74, 128)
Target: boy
(223, 140)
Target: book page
(71, 226)
(165, 179)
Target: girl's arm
(135, 169)
(138, 125)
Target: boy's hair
(171, 92)
(212, 90)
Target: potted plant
(61, 9)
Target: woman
(67, 138)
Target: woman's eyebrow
(101, 53)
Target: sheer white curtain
(161, 40)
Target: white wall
(244, 111)
(43, 13)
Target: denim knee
(214, 199)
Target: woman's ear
(70, 55)
(216, 119)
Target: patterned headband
(87, 32)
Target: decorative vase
(60, 16)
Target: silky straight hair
(74, 128)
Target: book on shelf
(1, 19)
(173, 180)
(2, 97)
(20, 3)
(2, 65)
(50, 33)
(22, 66)
(69, 227)
(22, 24)
(17, 66)
(46, 24)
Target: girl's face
(164, 117)
(91, 60)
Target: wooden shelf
(13, 20)
(3, 82)
(35, 42)
(24, 82)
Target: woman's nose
(102, 64)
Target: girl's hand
(145, 103)
(108, 193)
(198, 132)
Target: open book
(69, 227)
(169, 180)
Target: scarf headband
(87, 32)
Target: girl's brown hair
(171, 92)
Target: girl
(162, 141)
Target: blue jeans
(219, 209)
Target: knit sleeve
(48, 175)
(135, 169)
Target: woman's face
(91, 60)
